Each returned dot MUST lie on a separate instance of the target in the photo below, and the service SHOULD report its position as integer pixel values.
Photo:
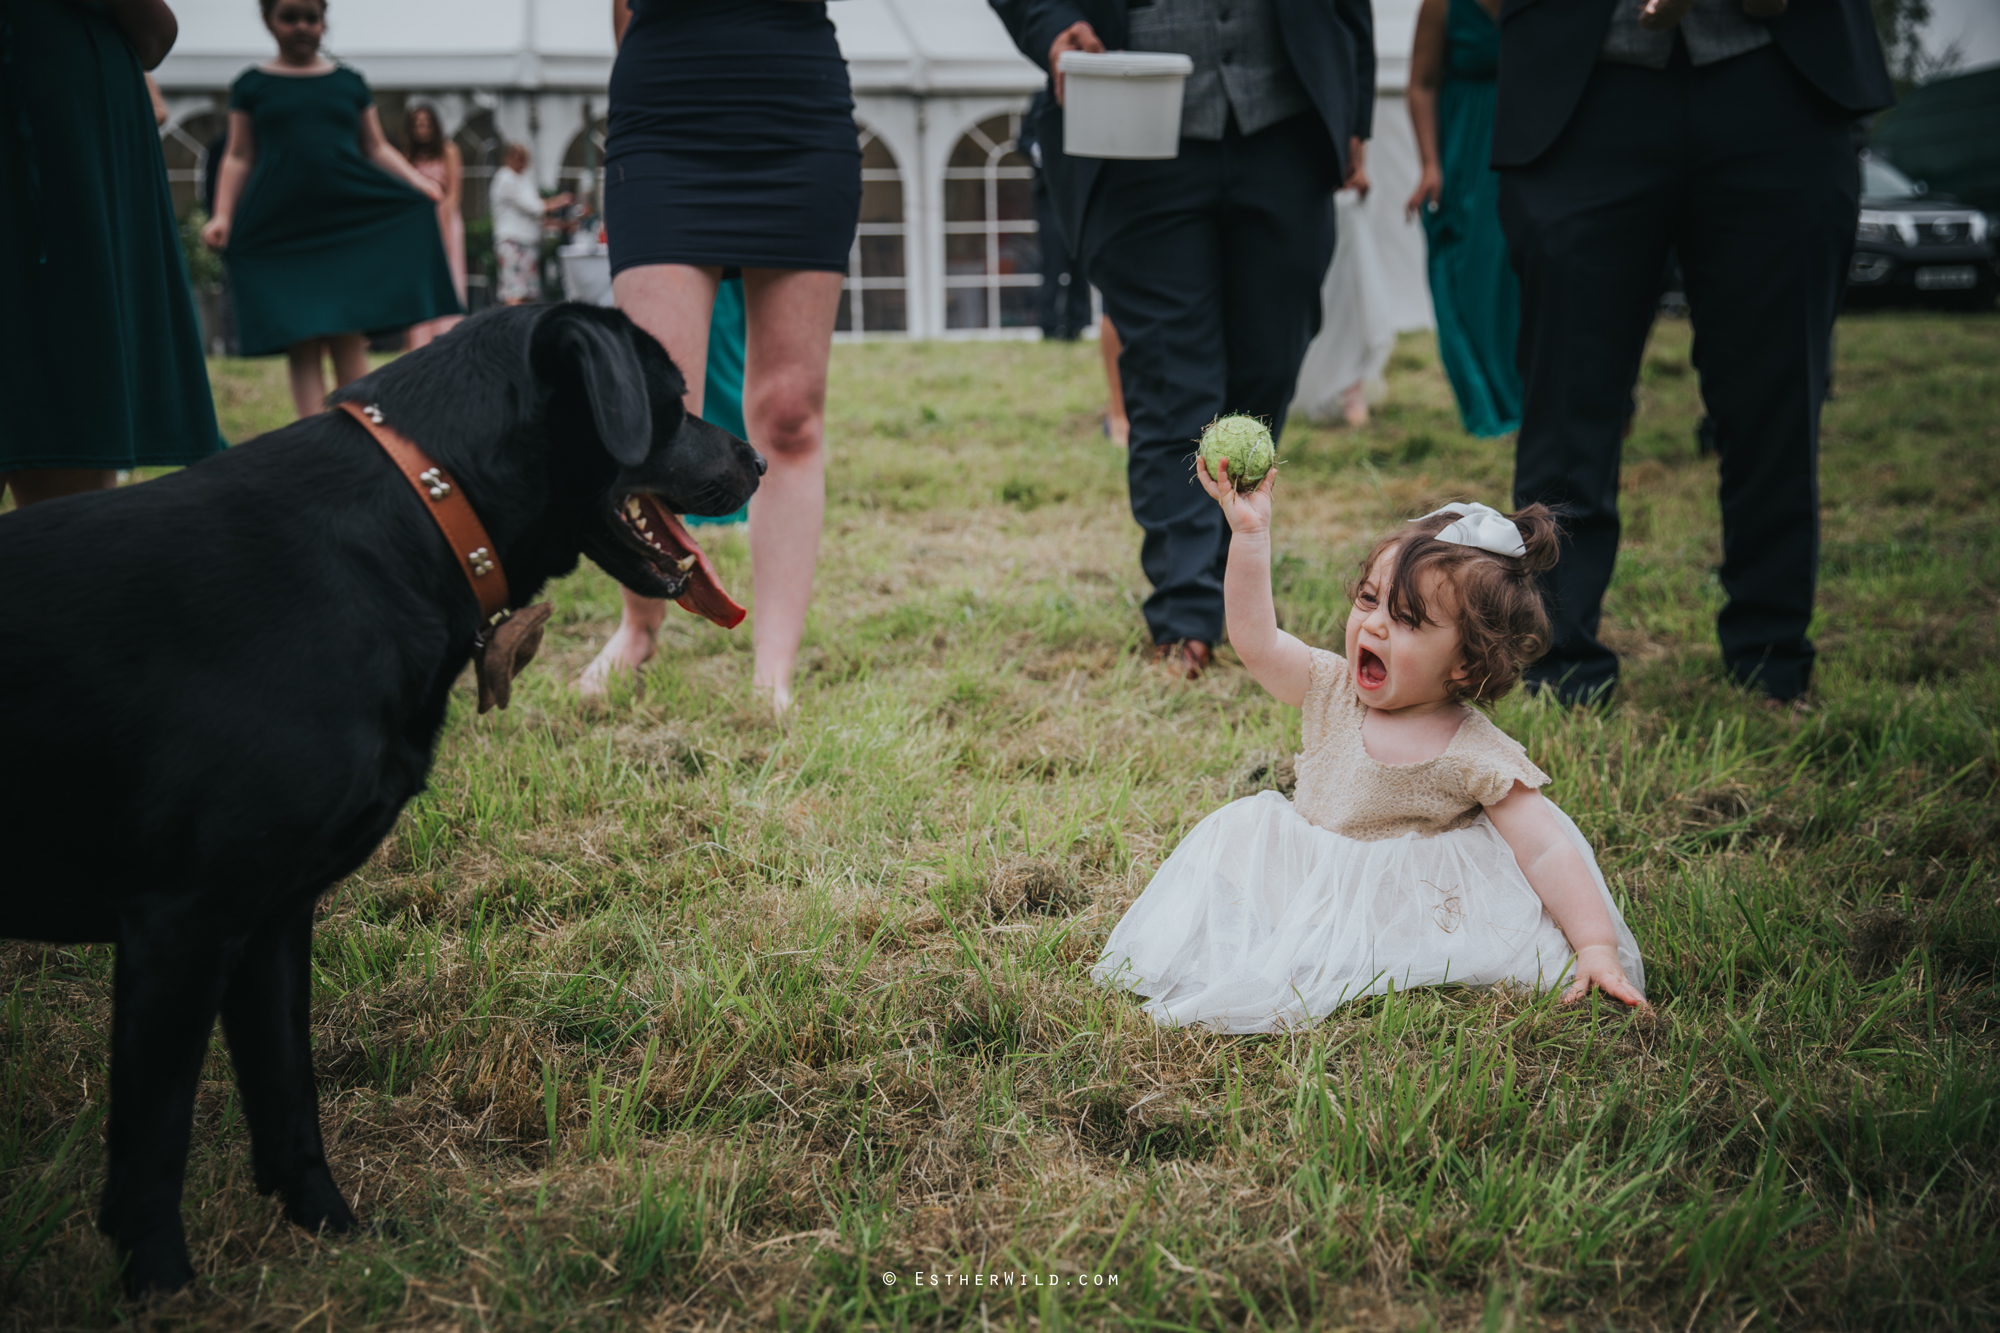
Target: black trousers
(1750, 172)
(1210, 267)
(1063, 308)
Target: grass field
(657, 1015)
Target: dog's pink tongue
(704, 596)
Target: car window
(1879, 180)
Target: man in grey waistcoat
(1209, 263)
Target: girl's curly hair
(1502, 625)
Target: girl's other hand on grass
(215, 234)
(1247, 511)
(1597, 969)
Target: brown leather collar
(448, 508)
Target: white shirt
(517, 208)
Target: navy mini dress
(731, 138)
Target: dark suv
(1915, 244)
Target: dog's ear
(513, 645)
(613, 380)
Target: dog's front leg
(167, 985)
(267, 1014)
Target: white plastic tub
(586, 270)
(1123, 103)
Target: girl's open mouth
(1371, 671)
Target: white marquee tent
(947, 246)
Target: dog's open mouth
(680, 560)
(1369, 669)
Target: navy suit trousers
(1750, 172)
(1210, 267)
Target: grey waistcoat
(1239, 59)
(1714, 29)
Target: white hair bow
(1482, 526)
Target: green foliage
(204, 266)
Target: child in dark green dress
(100, 353)
(327, 230)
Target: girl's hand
(215, 234)
(1247, 511)
(1597, 967)
(431, 189)
(1430, 186)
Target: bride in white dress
(1418, 849)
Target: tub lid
(1125, 64)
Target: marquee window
(992, 258)
(876, 296)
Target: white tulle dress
(1272, 913)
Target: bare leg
(790, 316)
(308, 380)
(1115, 423)
(1354, 404)
(350, 357)
(672, 302)
(36, 484)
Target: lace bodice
(1342, 789)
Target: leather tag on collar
(450, 510)
(507, 648)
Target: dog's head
(565, 425)
(612, 385)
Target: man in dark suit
(1209, 263)
(1627, 126)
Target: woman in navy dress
(732, 146)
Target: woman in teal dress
(1476, 297)
(100, 354)
(722, 398)
(328, 232)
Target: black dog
(220, 687)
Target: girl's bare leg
(36, 484)
(350, 357)
(790, 315)
(1115, 423)
(308, 381)
(673, 302)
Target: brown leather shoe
(1189, 657)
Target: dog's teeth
(684, 564)
(632, 508)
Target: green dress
(100, 352)
(1473, 288)
(323, 241)
(722, 387)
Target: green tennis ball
(1242, 442)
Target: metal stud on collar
(481, 561)
(373, 413)
(434, 478)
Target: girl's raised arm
(237, 159)
(1276, 660)
(1564, 884)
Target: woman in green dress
(327, 230)
(1474, 293)
(100, 353)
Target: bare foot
(630, 648)
(780, 695)
(1354, 404)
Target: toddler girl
(1418, 849)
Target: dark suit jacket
(1547, 49)
(1331, 44)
